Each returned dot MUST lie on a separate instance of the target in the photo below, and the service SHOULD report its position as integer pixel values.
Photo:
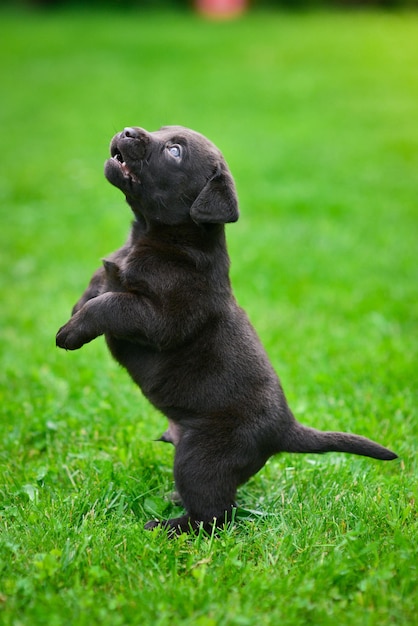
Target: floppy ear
(217, 203)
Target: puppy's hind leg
(207, 486)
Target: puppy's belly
(201, 380)
(177, 380)
(141, 361)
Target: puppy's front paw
(71, 337)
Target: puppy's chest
(141, 274)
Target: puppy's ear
(217, 203)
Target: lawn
(317, 115)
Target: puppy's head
(173, 176)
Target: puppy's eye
(175, 151)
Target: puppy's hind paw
(151, 525)
(175, 526)
(169, 530)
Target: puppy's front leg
(124, 315)
(94, 289)
(98, 282)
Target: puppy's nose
(133, 132)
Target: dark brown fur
(165, 305)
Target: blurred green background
(317, 115)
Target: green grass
(317, 115)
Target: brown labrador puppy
(165, 306)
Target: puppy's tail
(301, 438)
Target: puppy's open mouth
(125, 169)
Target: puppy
(165, 305)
